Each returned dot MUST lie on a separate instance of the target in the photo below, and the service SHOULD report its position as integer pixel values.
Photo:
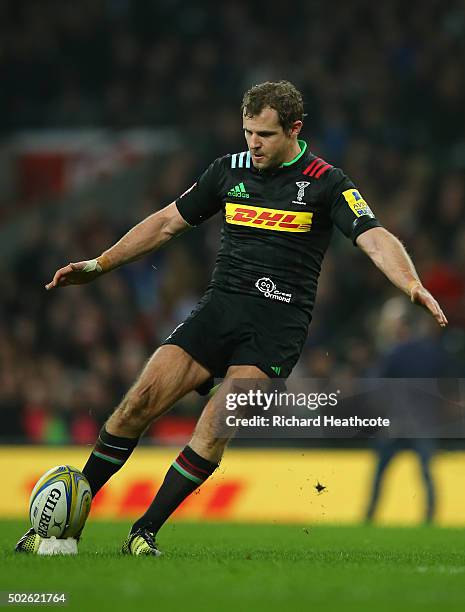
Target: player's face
(268, 143)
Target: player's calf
(137, 411)
(169, 375)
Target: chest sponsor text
(268, 218)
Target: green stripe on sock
(186, 474)
(107, 458)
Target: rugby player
(279, 203)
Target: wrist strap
(92, 266)
(104, 264)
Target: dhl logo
(268, 218)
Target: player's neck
(293, 152)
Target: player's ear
(295, 128)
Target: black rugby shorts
(227, 329)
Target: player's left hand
(421, 296)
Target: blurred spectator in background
(410, 348)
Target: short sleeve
(348, 210)
(202, 200)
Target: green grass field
(251, 567)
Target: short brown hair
(283, 96)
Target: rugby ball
(60, 503)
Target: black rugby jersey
(277, 223)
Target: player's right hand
(75, 274)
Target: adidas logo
(238, 191)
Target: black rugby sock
(186, 474)
(109, 455)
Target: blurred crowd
(384, 97)
(389, 72)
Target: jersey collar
(303, 148)
(286, 166)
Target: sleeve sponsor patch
(357, 204)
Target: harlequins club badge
(300, 194)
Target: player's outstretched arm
(148, 235)
(389, 255)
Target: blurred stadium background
(109, 110)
